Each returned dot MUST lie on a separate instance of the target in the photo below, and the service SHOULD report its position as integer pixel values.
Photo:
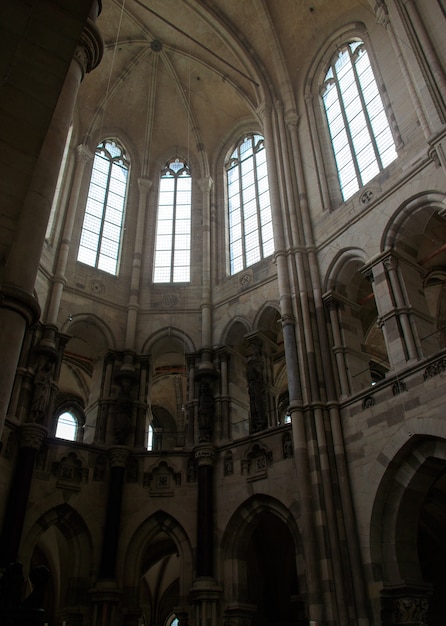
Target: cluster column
(105, 595)
(18, 306)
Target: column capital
(32, 435)
(21, 302)
(331, 302)
(90, 48)
(292, 119)
(204, 454)
(382, 13)
(205, 184)
(144, 184)
(118, 456)
(288, 320)
(83, 153)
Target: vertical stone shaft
(112, 522)
(31, 438)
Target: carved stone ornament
(97, 287)
(368, 402)
(90, 49)
(162, 479)
(434, 369)
(170, 299)
(32, 435)
(366, 196)
(119, 456)
(398, 387)
(245, 280)
(410, 610)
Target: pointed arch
(279, 531)
(136, 553)
(407, 521)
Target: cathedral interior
(223, 312)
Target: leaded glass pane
(248, 194)
(173, 241)
(104, 211)
(360, 147)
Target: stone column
(144, 185)
(392, 314)
(338, 347)
(191, 403)
(118, 461)
(205, 185)
(205, 457)
(382, 17)
(18, 307)
(31, 437)
(428, 50)
(257, 388)
(106, 595)
(225, 429)
(205, 591)
(83, 156)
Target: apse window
(361, 137)
(249, 207)
(102, 229)
(173, 226)
(66, 426)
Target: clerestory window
(173, 227)
(67, 426)
(361, 136)
(101, 236)
(249, 207)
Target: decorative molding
(435, 368)
(398, 387)
(256, 462)
(368, 402)
(162, 479)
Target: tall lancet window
(249, 208)
(361, 137)
(173, 226)
(101, 236)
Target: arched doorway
(261, 547)
(408, 541)
(158, 571)
(60, 541)
(271, 572)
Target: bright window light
(249, 207)
(173, 229)
(66, 426)
(102, 228)
(360, 133)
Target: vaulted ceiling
(187, 72)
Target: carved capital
(90, 49)
(288, 319)
(83, 154)
(144, 184)
(19, 301)
(292, 120)
(205, 454)
(119, 456)
(382, 14)
(32, 435)
(205, 184)
(331, 303)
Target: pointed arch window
(361, 137)
(173, 228)
(249, 206)
(67, 425)
(101, 236)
